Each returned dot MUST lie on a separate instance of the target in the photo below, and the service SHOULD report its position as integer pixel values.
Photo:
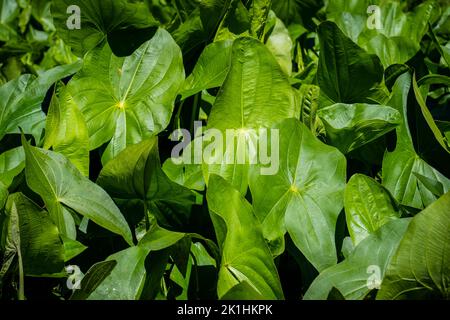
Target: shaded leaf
(346, 72)
(306, 194)
(136, 174)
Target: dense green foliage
(93, 204)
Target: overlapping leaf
(306, 194)
(401, 165)
(368, 206)
(421, 268)
(97, 19)
(350, 126)
(62, 186)
(248, 102)
(20, 100)
(246, 259)
(364, 269)
(125, 100)
(136, 174)
(346, 72)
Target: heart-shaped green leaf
(306, 194)
(125, 100)
(245, 255)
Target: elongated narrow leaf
(420, 268)
(306, 194)
(125, 100)
(280, 44)
(245, 255)
(368, 206)
(364, 269)
(259, 13)
(60, 184)
(351, 126)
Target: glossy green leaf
(72, 248)
(188, 175)
(125, 100)
(420, 269)
(20, 100)
(391, 50)
(249, 102)
(346, 72)
(245, 255)
(158, 238)
(401, 165)
(93, 278)
(382, 27)
(350, 15)
(41, 249)
(368, 206)
(350, 126)
(60, 184)
(11, 164)
(364, 269)
(306, 194)
(126, 280)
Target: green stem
(21, 295)
(147, 221)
